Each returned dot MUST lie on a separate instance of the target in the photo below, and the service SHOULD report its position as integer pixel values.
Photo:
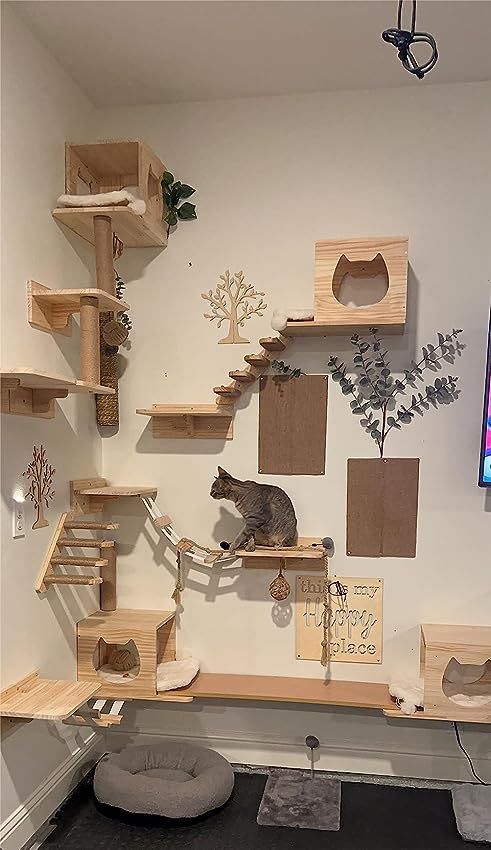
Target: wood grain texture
(382, 507)
(188, 421)
(45, 699)
(467, 645)
(108, 593)
(119, 627)
(390, 311)
(288, 689)
(292, 425)
(52, 309)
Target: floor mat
(472, 808)
(297, 801)
(373, 817)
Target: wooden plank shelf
(273, 343)
(243, 376)
(52, 309)
(308, 547)
(135, 231)
(259, 361)
(44, 699)
(30, 392)
(322, 329)
(231, 686)
(84, 542)
(199, 421)
(118, 492)
(227, 391)
(79, 524)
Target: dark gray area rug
(299, 801)
(472, 809)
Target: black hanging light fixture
(404, 39)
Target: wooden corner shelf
(90, 495)
(29, 392)
(200, 421)
(135, 231)
(118, 492)
(44, 699)
(52, 309)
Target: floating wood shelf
(45, 699)
(119, 492)
(91, 495)
(259, 361)
(201, 421)
(273, 343)
(292, 557)
(29, 392)
(323, 329)
(52, 309)
(133, 230)
(243, 376)
(285, 689)
(230, 391)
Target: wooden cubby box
(361, 258)
(107, 166)
(151, 634)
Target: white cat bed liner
(408, 693)
(127, 197)
(281, 317)
(174, 780)
(170, 674)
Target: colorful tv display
(485, 464)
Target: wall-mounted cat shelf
(44, 699)
(91, 495)
(361, 258)
(201, 421)
(307, 548)
(52, 309)
(28, 392)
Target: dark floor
(373, 817)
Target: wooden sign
(354, 621)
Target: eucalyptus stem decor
(375, 390)
(173, 192)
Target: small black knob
(312, 742)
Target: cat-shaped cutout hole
(467, 684)
(360, 283)
(116, 662)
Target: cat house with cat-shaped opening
(147, 638)
(384, 258)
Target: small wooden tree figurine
(40, 473)
(231, 302)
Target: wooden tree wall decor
(234, 301)
(40, 475)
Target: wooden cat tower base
(363, 257)
(153, 634)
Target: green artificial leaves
(174, 194)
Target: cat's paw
(250, 545)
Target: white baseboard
(335, 758)
(25, 821)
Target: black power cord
(403, 39)
(457, 735)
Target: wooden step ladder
(241, 378)
(56, 557)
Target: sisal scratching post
(108, 586)
(103, 241)
(89, 340)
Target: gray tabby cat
(268, 512)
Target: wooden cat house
(361, 258)
(149, 635)
(465, 693)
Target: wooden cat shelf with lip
(360, 258)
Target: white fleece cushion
(122, 197)
(281, 317)
(176, 674)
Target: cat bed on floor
(127, 197)
(170, 674)
(174, 779)
(472, 810)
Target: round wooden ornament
(114, 333)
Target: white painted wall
(40, 108)
(273, 175)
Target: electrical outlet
(18, 520)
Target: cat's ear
(222, 473)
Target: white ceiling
(139, 52)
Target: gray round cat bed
(175, 780)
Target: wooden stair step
(257, 360)
(67, 560)
(85, 542)
(242, 376)
(88, 523)
(230, 392)
(272, 343)
(86, 580)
